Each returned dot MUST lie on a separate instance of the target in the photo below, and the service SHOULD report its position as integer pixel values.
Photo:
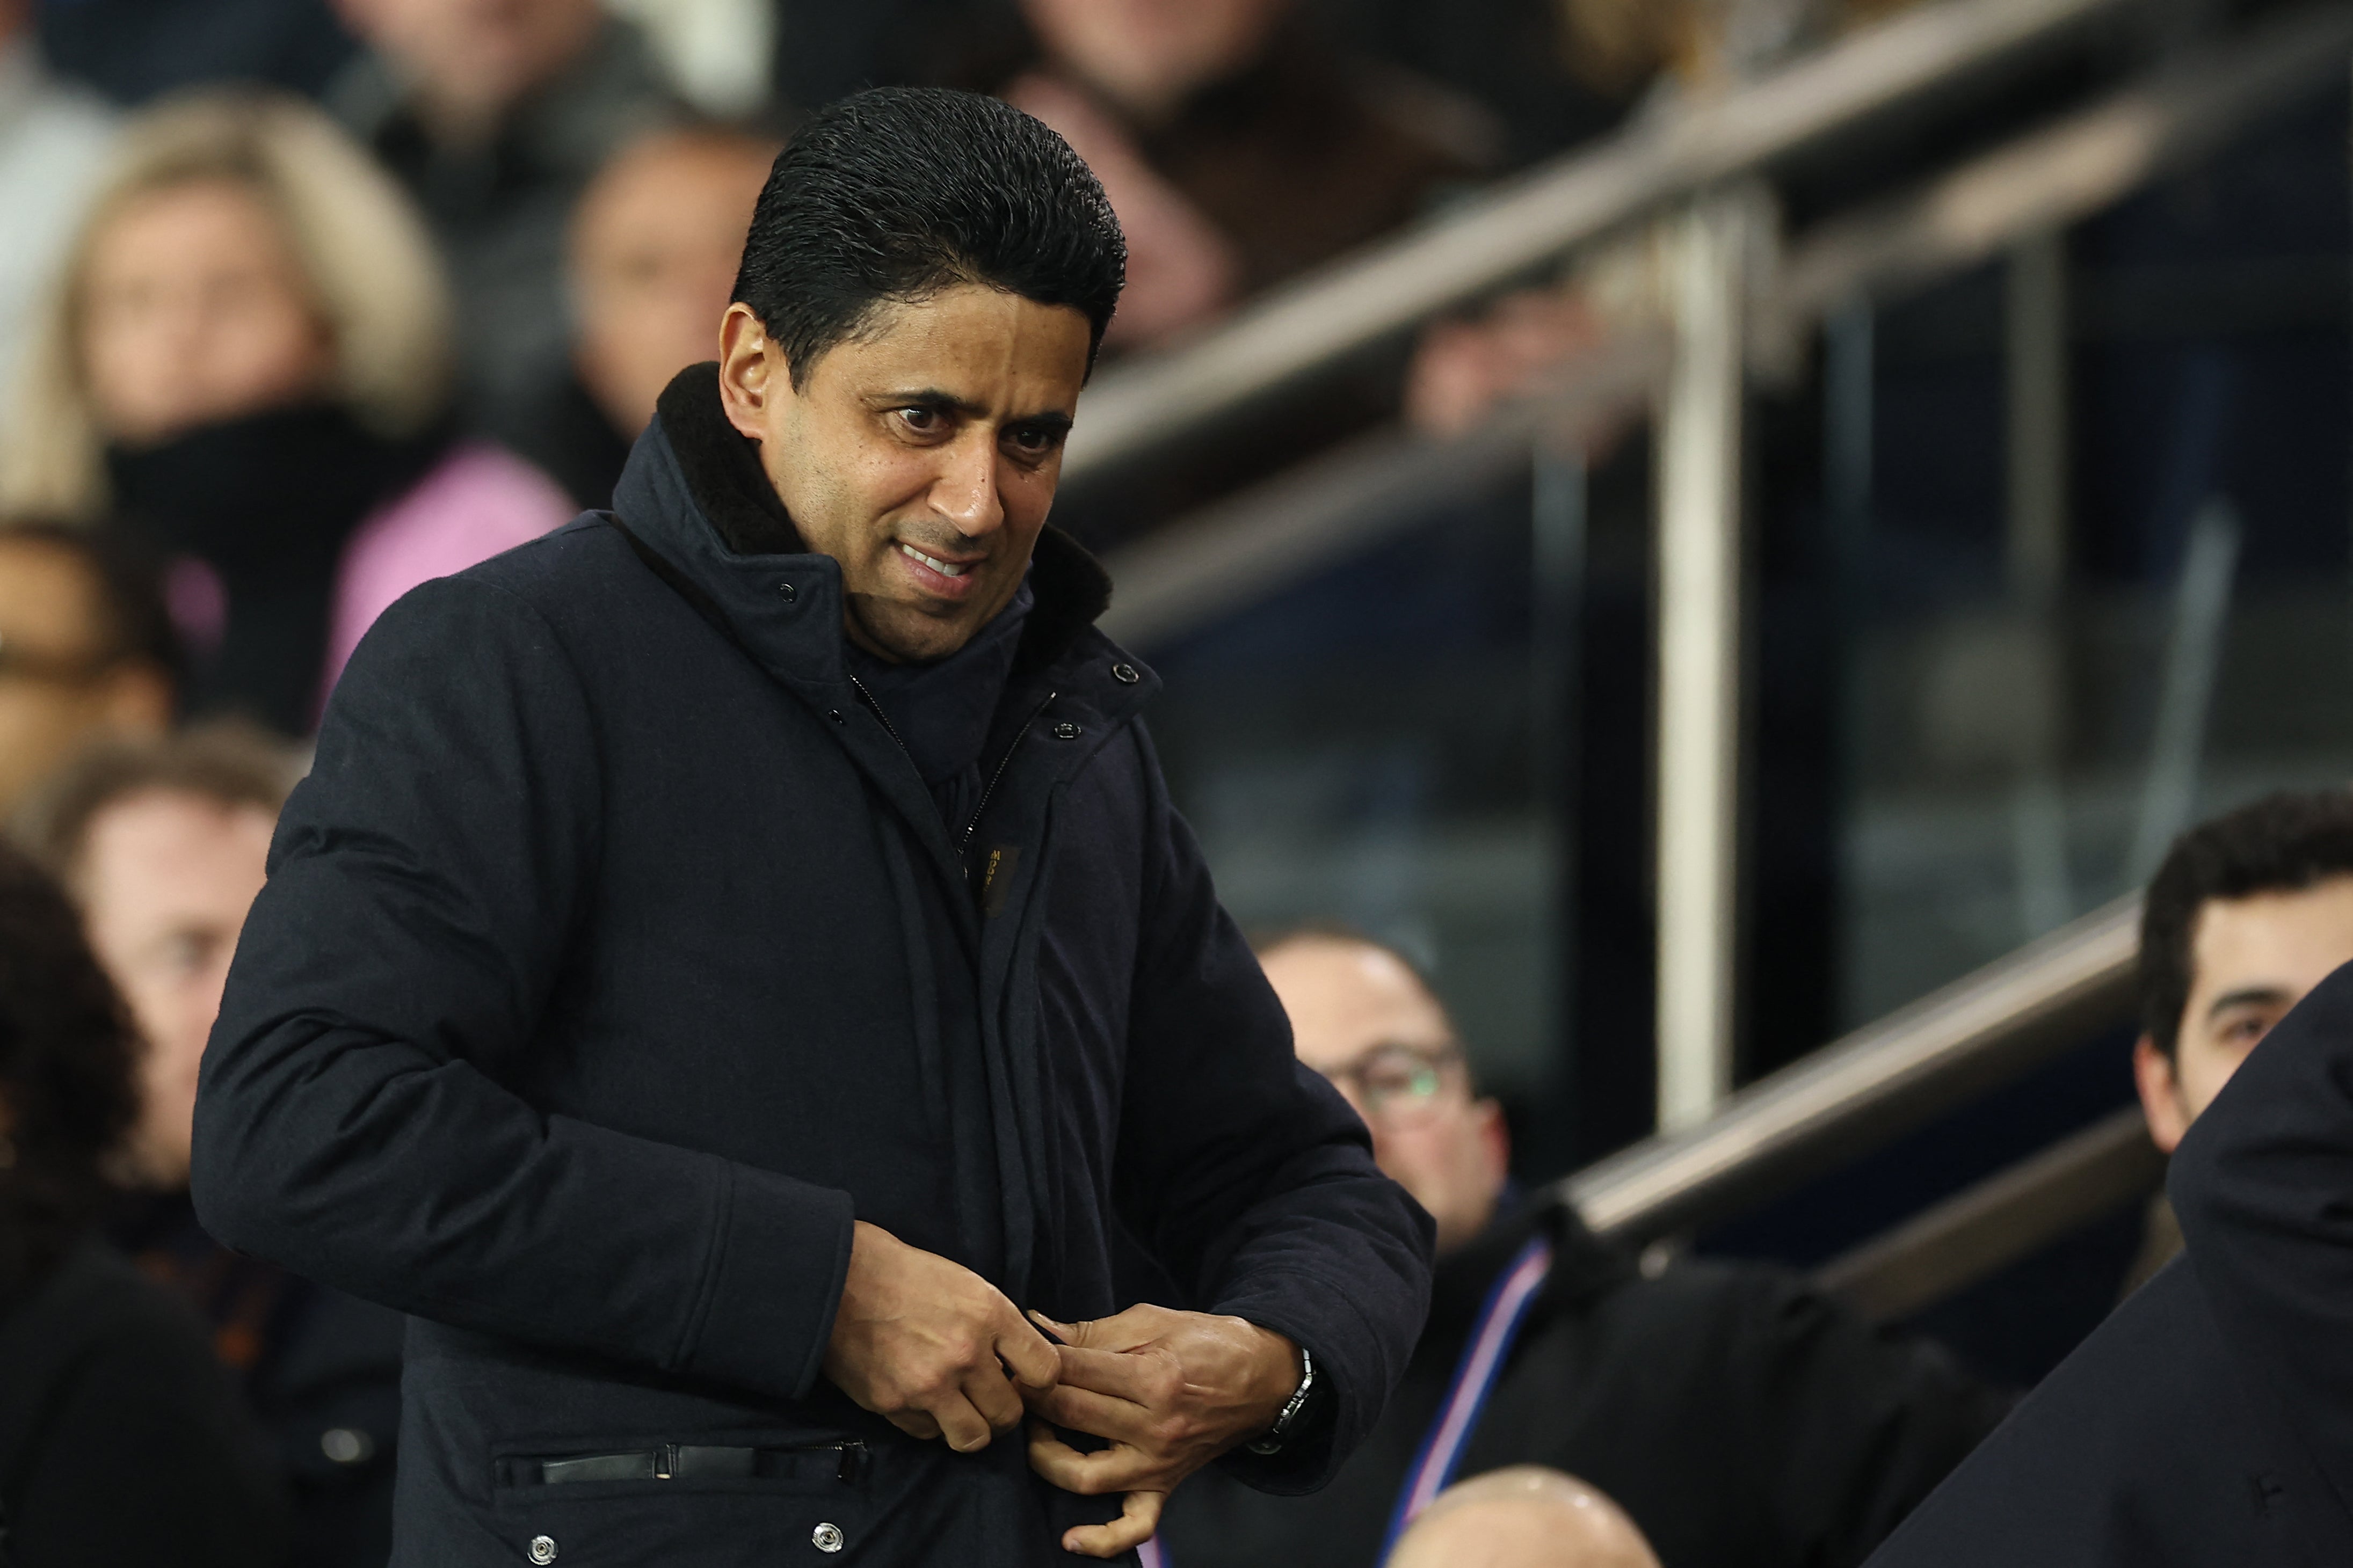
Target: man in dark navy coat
(2210, 1420)
(735, 970)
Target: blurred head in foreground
(85, 651)
(66, 1096)
(2248, 913)
(652, 255)
(1362, 1016)
(1522, 1516)
(164, 844)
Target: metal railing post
(1699, 680)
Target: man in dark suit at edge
(734, 955)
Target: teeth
(936, 563)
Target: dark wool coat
(2210, 1420)
(1741, 1418)
(598, 985)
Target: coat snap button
(1126, 674)
(1066, 730)
(789, 591)
(834, 715)
(543, 1549)
(826, 1538)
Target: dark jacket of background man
(2210, 1419)
(622, 934)
(1740, 1418)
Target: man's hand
(931, 1346)
(1172, 1391)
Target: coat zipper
(963, 842)
(1003, 763)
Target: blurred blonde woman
(248, 362)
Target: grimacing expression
(921, 453)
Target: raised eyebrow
(2246, 996)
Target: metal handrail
(1866, 1091)
(1365, 491)
(1486, 241)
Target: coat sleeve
(2264, 1187)
(1246, 1175)
(354, 1121)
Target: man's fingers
(1139, 1516)
(1027, 1355)
(914, 1424)
(1083, 1410)
(967, 1431)
(1114, 1470)
(999, 1402)
(1139, 1325)
(1123, 1374)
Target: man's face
(60, 684)
(654, 249)
(1365, 1021)
(2251, 960)
(921, 453)
(166, 880)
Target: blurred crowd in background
(303, 302)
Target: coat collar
(694, 491)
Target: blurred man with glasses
(1739, 1416)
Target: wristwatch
(1272, 1442)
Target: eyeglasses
(1395, 1080)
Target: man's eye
(922, 421)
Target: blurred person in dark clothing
(87, 649)
(649, 267)
(1739, 1416)
(1237, 144)
(2210, 1419)
(495, 114)
(2248, 912)
(163, 844)
(121, 1441)
(248, 362)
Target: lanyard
(1474, 1379)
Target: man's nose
(965, 494)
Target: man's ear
(752, 372)
(1494, 1137)
(2160, 1095)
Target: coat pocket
(722, 1501)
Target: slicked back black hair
(2283, 843)
(896, 192)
